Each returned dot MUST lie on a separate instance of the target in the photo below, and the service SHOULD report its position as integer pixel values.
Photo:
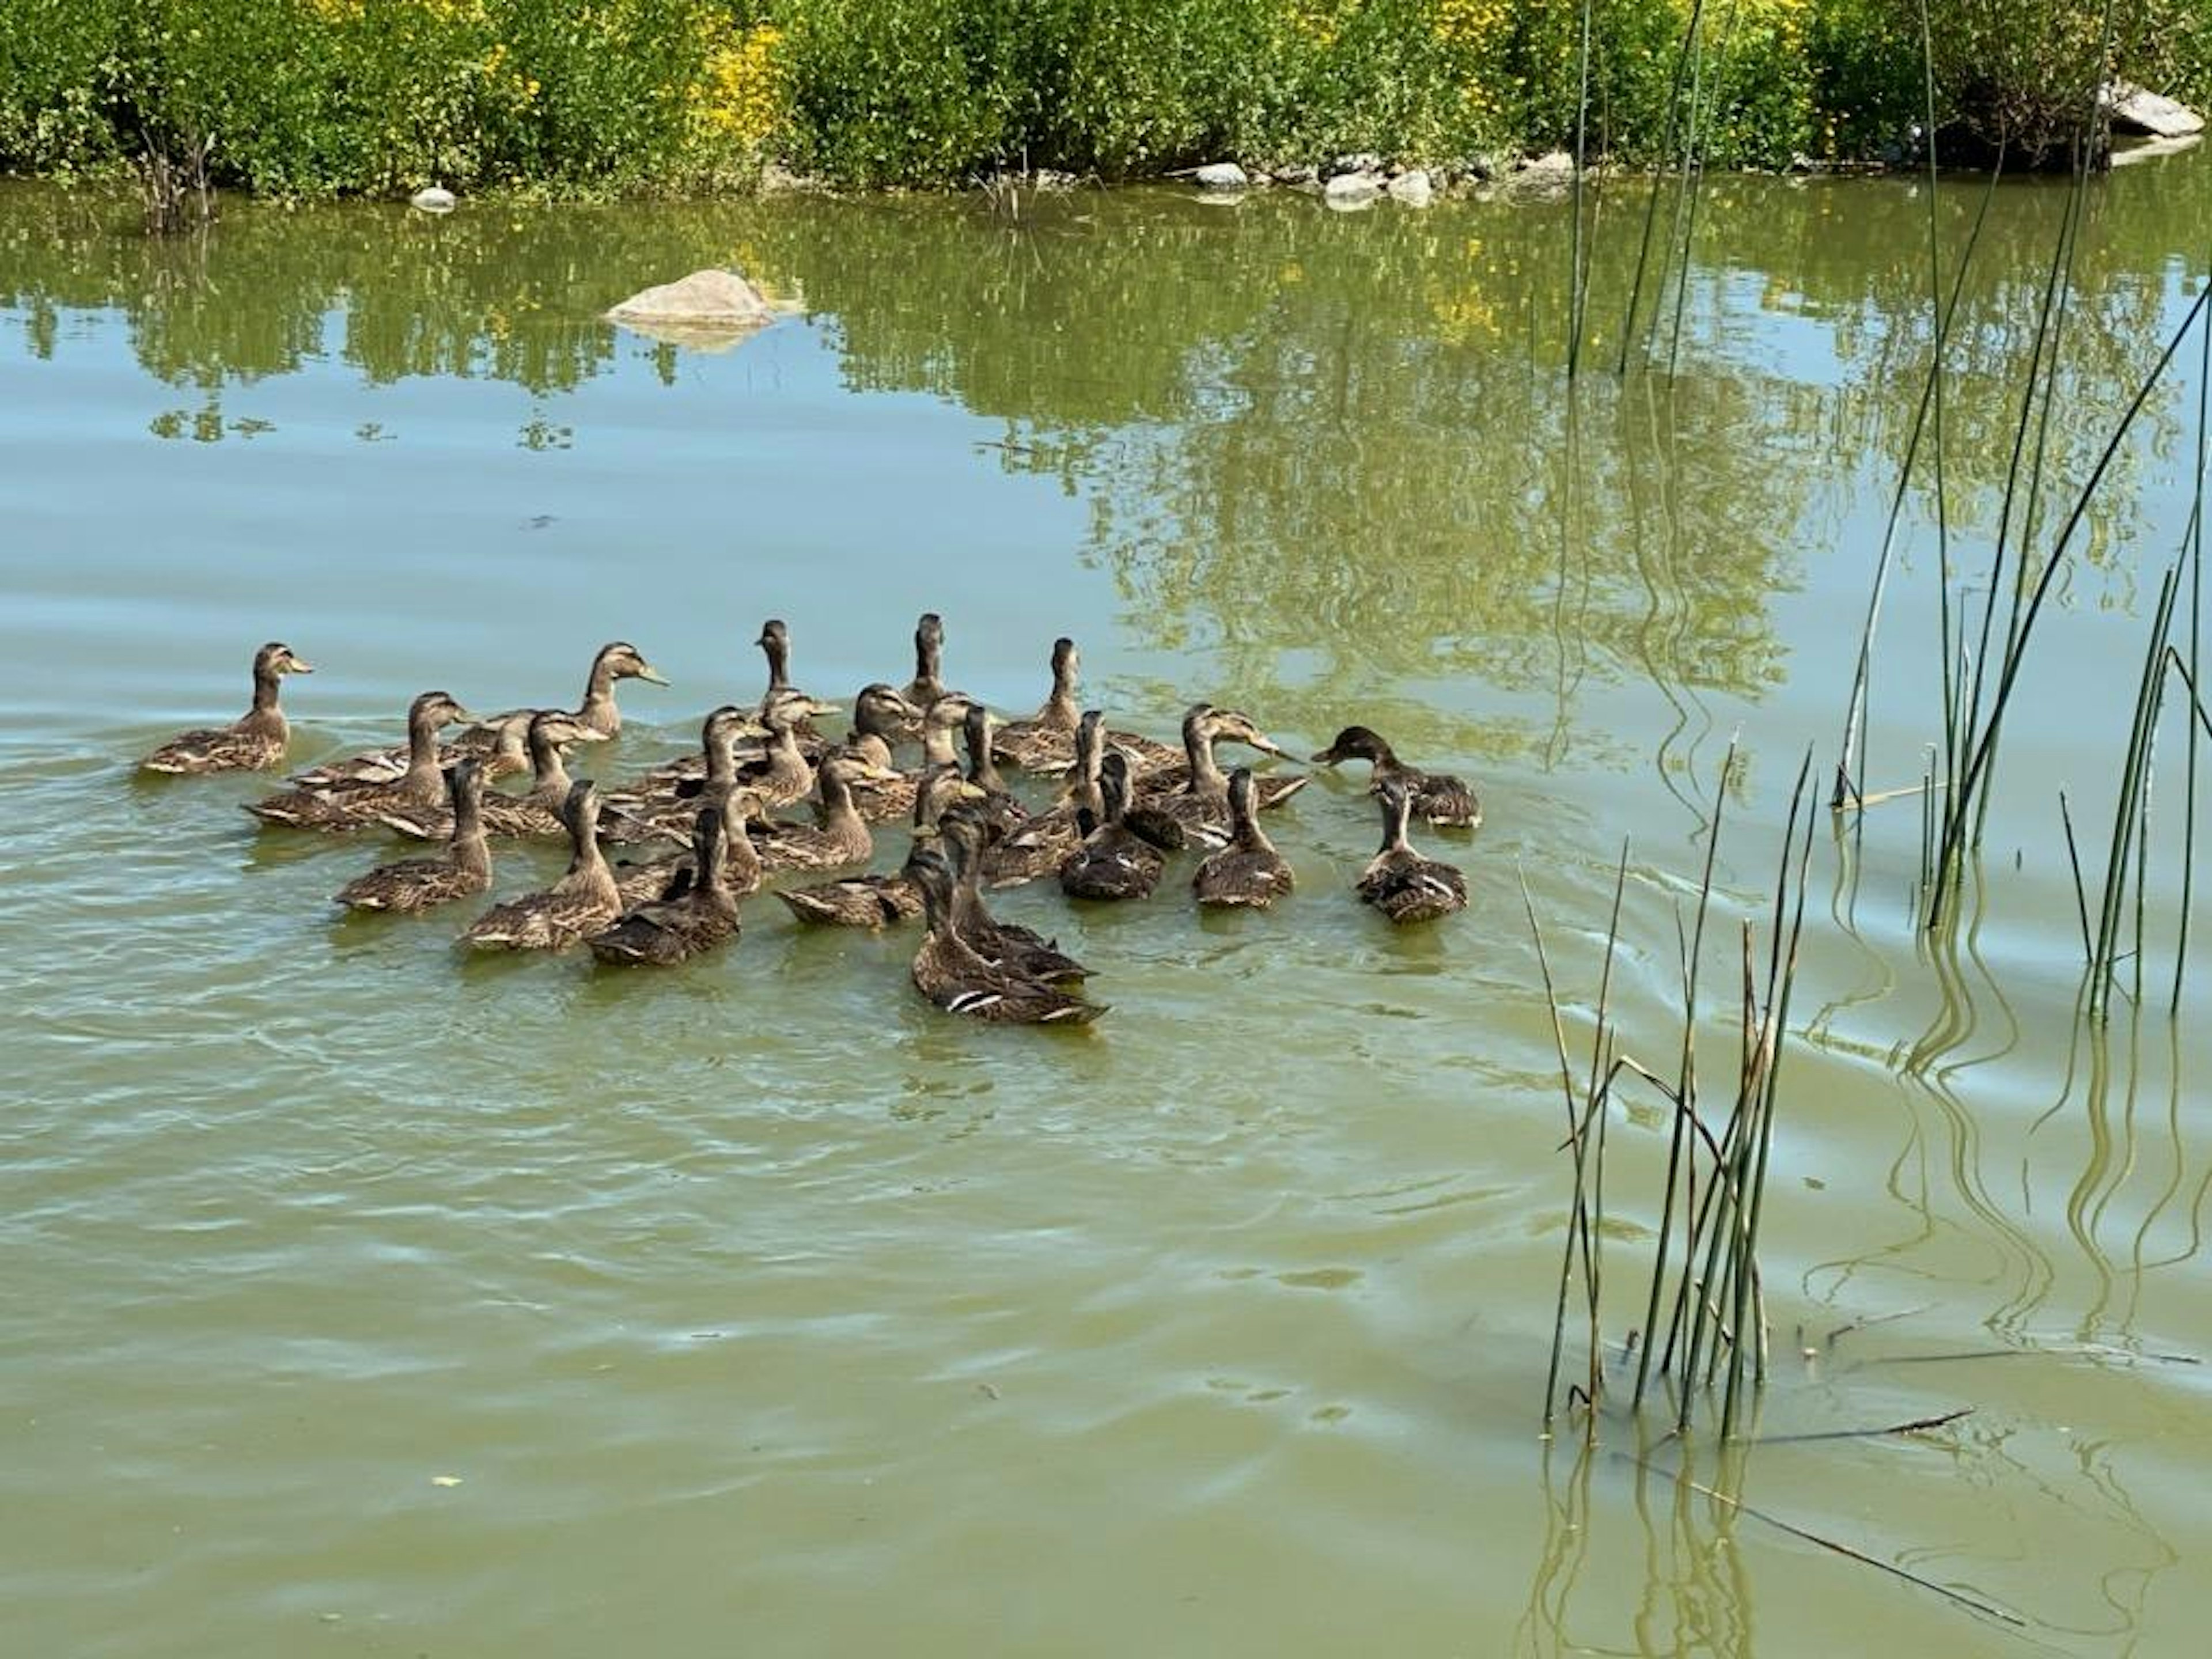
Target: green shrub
(54, 65)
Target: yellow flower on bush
(740, 92)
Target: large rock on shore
(708, 309)
(1222, 175)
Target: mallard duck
(1174, 813)
(1040, 845)
(542, 811)
(1022, 950)
(783, 774)
(415, 884)
(879, 900)
(581, 902)
(597, 714)
(1249, 872)
(349, 805)
(1112, 862)
(942, 716)
(955, 976)
(254, 742)
(997, 801)
(665, 800)
(647, 882)
(701, 914)
(928, 684)
(881, 717)
(840, 835)
(775, 642)
(1045, 741)
(1397, 881)
(1443, 801)
(499, 744)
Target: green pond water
(366, 1299)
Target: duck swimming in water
(414, 884)
(1113, 862)
(1397, 881)
(1249, 872)
(956, 976)
(580, 903)
(1444, 801)
(349, 805)
(701, 914)
(254, 742)
(597, 714)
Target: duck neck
(1247, 835)
(840, 819)
(1198, 748)
(741, 865)
(265, 682)
(1395, 817)
(598, 710)
(777, 649)
(787, 765)
(937, 744)
(587, 865)
(982, 771)
(722, 747)
(874, 745)
(470, 848)
(423, 772)
(928, 657)
(1060, 712)
(548, 773)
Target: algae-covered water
(362, 1298)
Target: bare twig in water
(1972, 1603)
(1915, 1426)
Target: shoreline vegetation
(297, 99)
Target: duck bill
(1327, 758)
(652, 675)
(294, 665)
(1267, 745)
(818, 708)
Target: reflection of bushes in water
(1284, 419)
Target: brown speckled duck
(597, 715)
(540, 812)
(1397, 881)
(349, 804)
(414, 884)
(1045, 741)
(699, 914)
(647, 882)
(580, 903)
(1443, 800)
(1040, 846)
(840, 836)
(1022, 950)
(254, 742)
(1113, 862)
(955, 976)
(883, 901)
(1193, 810)
(1249, 872)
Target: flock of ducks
(1126, 802)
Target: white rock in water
(1222, 175)
(1413, 188)
(1352, 189)
(2134, 110)
(716, 297)
(435, 198)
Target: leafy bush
(326, 97)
